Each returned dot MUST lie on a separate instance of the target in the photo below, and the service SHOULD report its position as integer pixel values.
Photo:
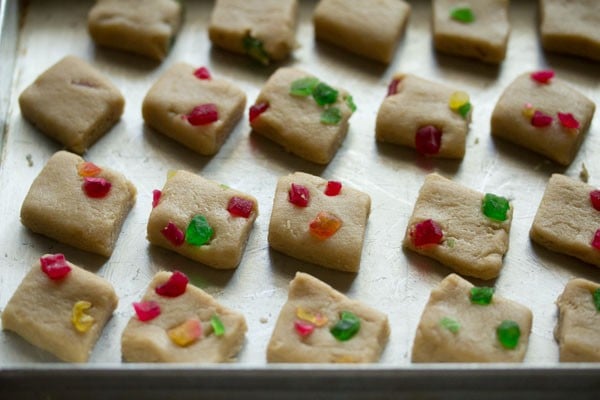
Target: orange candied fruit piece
(324, 225)
(88, 169)
(187, 333)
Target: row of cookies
(265, 30)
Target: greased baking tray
(35, 34)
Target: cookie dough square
(571, 27)
(453, 328)
(450, 224)
(57, 205)
(146, 27)
(474, 28)
(194, 218)
(153, 341)
(298, 122)
(42, 311)
(577, 331)
(525, 99)
(171, 104)
(263, 29)
(72, 103)
(414, 106)
(341, 217)
(566, 221)
(368, 29)
(308, 331)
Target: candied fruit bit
(528, 111)
(257, 109)
(96, 188)
(304, 86)
(186, 333)
(298, 195)
(393, 87)
(568, 121)
(254, 48)
(156, 197)
(596, 298)
(508, 333)
(88, 169)
(324, 94)
(495, 207)
(199, 232)
(543, 76)
(324, 225)
(428, 140)
(333, 188)
(450, 324)
(317, 319)
(595, 199)
(80, 320)
(426, 233)
(540, 120)
(146, 310)
(331, 116)
(457, 100)
(482, 295)
(346, 327)
(173, 234)
(463, 110)
(303, 329)
(175, 286)
(240, 207)
(462, 14)
(55, 266)
(217, 325)
(203, 114)
(202, 73)
(596, 240)
(350, 103)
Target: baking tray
(35, 34)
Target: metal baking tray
(37, 33)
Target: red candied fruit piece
(595, 198)
(96, 188)
(428, 140)
(202, 73)
(540, 120)
(303, 328)
(596, 240)
(174, 287)
(333, 188)
(568, 120)
(146, 310)
(543, 76)
(203, 114)
(240, 207)
(393, 87)
(55, 266)
(426, 232)
(173, 234)
(257, 109)
(156, 197)
(299, 195)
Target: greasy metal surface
(395, 281)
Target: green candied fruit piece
(331, 116)
(596, 296)
(482, 295)
(324, 94)
(464, 110)
(304, 86)
(450, 324)
(255, 49)
(462, 14)
(350, 103)
(508, 333)
(198, 231)
(217, 325)
(495, 207)
(346, 327)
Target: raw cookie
(307, 117)
(458, 326)
(567, 221)
(189, 326)
(460, 227)
(72, 103)
(78, 203)
(202, 220)
(262, 29)
(47, 311)
(187, 105)
(370, 29)
(528, 114)
(319, 221)
(146, 27)
(571, 27)
(320, 325)
(471, 28)
(424, 115)
(577, 330)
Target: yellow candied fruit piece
(171, 173)
(528, 111)
(187, 333)
(88, 169)
(324, 225)
(82, 321)
(457, 100)
(317, 319)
